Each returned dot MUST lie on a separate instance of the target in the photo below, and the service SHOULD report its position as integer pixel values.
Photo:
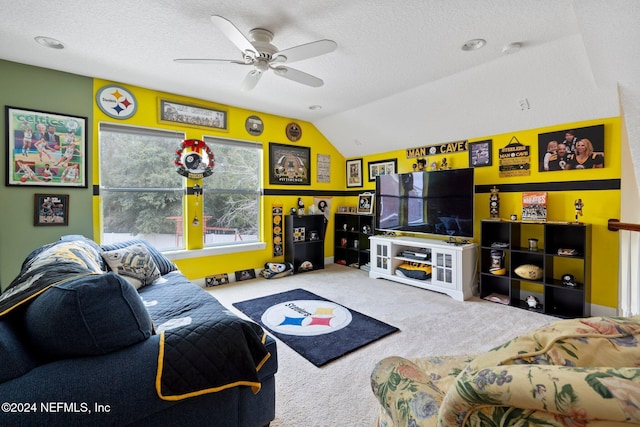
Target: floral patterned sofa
(574, 372)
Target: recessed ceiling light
(315, 107)
(474, 44)
(511, 48)
(49, 42)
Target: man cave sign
(194, 159)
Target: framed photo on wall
(480, 154)
(191, 115)
(51, 209)
(289, 164)
(382, 167)
(365, 203)
(45, 149)
(569, 149)
(354, 173)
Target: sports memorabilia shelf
(556, 269)
(352, 233)
(304, 242)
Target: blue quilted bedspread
(204, 347)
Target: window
(232, 194)
(141, 193)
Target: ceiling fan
(262, 55)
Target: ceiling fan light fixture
(258, 52)
(49, 42)
(473, 44)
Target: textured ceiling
(397, 79)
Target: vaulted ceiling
(398, 77)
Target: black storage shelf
(299, 246)
(556, 299)
(352, 232)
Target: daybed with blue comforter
(116, 335)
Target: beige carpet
(430, 323)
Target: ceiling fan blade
(251, 80)
(207, 61)
(298, 76)
(304, 51)
(234, 34)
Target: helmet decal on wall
(194, 159)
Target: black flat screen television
(435, 202)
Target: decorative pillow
(162, 262)
(134, 263)
(16, 359)
(87, 316)
(275, 270)
(414, 270)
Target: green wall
(43, 90)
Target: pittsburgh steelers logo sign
(306, 317)
(116, 101)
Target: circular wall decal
(254, 125)
(306, 317)
(294, 132)
(117, 102)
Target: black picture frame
(45, 149)
(50, 209)
(480, 153)
(354, 173)
(382, 167)
(289, 164)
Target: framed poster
(382, 167)
(354, 173)
(480, 154)
(51, 209)
(289, 164)
(45, 149)
(191, 115)
(569, 149)
(365, 203)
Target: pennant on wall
(276, 228)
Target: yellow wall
(274, 131)
(599, 205)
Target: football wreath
(529, 271)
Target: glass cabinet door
(443, 268)
(382, 261)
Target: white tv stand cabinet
(453, 265)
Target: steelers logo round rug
(306, 317)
